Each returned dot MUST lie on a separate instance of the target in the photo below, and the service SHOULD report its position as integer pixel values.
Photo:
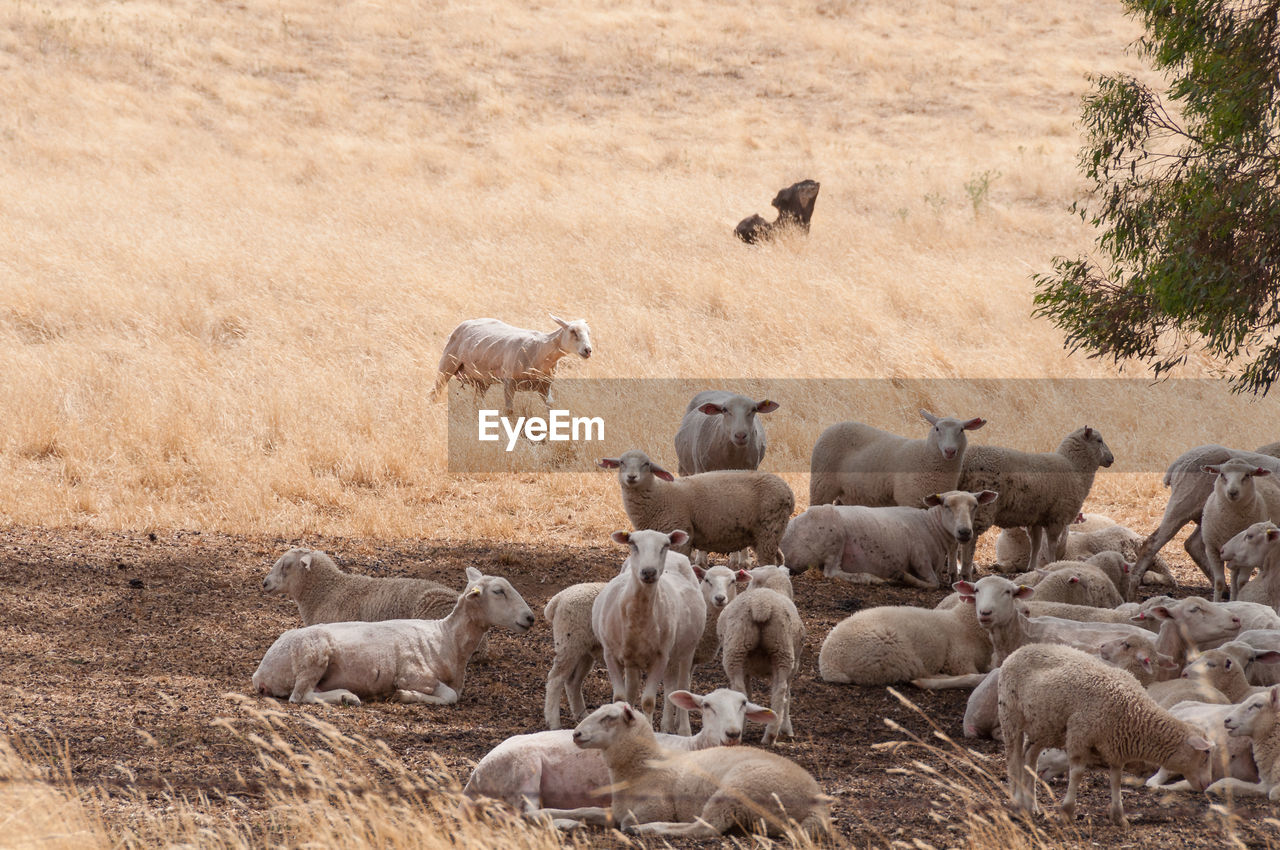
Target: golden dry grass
(237, 234)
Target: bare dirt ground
(124, 645)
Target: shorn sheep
(762, 635)
(1242, 495)
(865, 545)
(699, 794)
(1056, 696)
(482, 352)
(648, 619)
(576, 649)
(541, 769)
(720, 511)
(721, 430)
(856, 464)
(421, 661)
(1042, 492)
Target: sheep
(1078, 584)
(1226, 668)
(719, 586)
(1256, 718)
(1013, 549)
(720, 431)
(795, 207)
(1256, 547)
(481, 352)
(421, 661)
(576, 649)
(1112, 565)
(1040, 492)
(541, 769)
(892, 644)
(1251, 643)
(1138, 655)
(1190, 489)
(720, 511)
(856, 464)
(1240, 498)
(1232, 756)
(761, 634)
(1057, 696)
(864, 545)
(648, 619)
(698, 794)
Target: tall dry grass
(236, 235)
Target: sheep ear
(685, 700)
(1079, 518)
(1024, 592)
(986, 497)
(1269, 656)
(621, 537)
(661, 473)
(1261, 472)
(743, 575)
(628, 714)
(1145, 661)
(473, 574)
(1166, 662)
(699, 572)
(964, 587)
(1199, 743)
(1074, 580)
(766, 406)
(679, 537)
(609, 463)
(974, 424)
(1211, 469)
(933, 499)
(1128, 567)
(1088, 432)
(1273, 534)
(711, 409)
(760, 714)
(928, 417)
(1160, 612)
(559, 321)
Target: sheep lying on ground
(576, 649)
(721, 511)
(547, 769)
(1256, 547)
(856, 464)
(1242, 495)
(1137, 654)
(481, 352)
(762, 635)
(699, 794)
(1077, 583)
(1111, 565)
(1041, 492)
(720, 430)
(1256, 718)
(1056, 696)
(1251, 643)
(1232, 756)
(1013, 549)
(649, 619)
(1190, 489)
(409, 660)
(865, 545)
(795, 207)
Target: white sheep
(1256, 547)
(1042, 492)
(1138, 655)
(1057, 696)
(865, 545)
(1111, 564)
(546, 769)
(409, 660)
(1242, 495)
(1190, 489)
(699, 794)
(719, 586)
(1078, 583)
(761, 634)
(1013, 549)
(721, 511)
(576, 649)
(1256, 718)
(898, 643)
(1254, 642)
(1232, 756)
(648, 619)
(481, 352)
(856, 464)
(720, 431)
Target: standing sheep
(856, 464)
(648, 620)
(719, 586)
(720, 431)
(1042, 492)
(1241, 496)
(576, 649)
(409, 660)
(762, 635)
(720, 511)
(1056, 696)
(481, 352)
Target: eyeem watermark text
(558, 427)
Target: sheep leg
(566, 674)
(965, 553)
(573, 687)
(938, 683)
(307, 673)
(338, 696)
(1037, 544)
(442, 694)
(856, 578)
(1172, 522)
(632, 688)
(778, 700)
(1073, 785)
(766, 548)
(681, 681)
(1239, 578)
(508, 396)
(1158, 779)
(593, 815)
(1238, 786)
(617, 677)
(1217, 574)
(649, 698)
(908, 578)
(697, 829)
(1194, 546)
(1117, 808)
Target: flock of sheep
(1067, 668)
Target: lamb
(795, 208)
(871, 545)
(1057, 696)
(1137, 654)
(1256, 718)
(481, 352)
(1240, 498)
(1112, 565)
(1232, 756)
(541, 769)
(856, 464)
(648, 619)
(1190, 490)
(420, 661)
(719, 586)
(762, 635)
(1251, 643)
(576, 649)
(1013, 549)
(1226, 669)
(720, 431)
(1040, 492)
(1256, 547)
(720, 511)
(1078, 584)
(892, 644)
(699, 794)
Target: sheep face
(286, 570)
(1092, 440)
(739, 415)
(648, 558)
(635, 469)
(993, 598)
(1246, 717)
(1201, 621)
(724, 713)
(499, 603)
(719, 586)
(957, 510)
(1124, 652)
(599, 729)
(575, 337)
(1235, 479)
(947, 434)
(1249, 548)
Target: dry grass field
(236, 234)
